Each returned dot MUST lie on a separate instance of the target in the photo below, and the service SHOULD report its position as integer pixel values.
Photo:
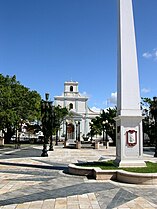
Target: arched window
(71, 88)
(70, 106)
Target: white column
(76, 105)
(85, 119)
(129, 142)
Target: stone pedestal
(106, 144)
(78, 145)
(65, 143)
(96, 145)
(1, 141)
(129, 144)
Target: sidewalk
(29, 181)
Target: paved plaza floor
(28, 181)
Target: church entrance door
(70, 130)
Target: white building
(78, 108)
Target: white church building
(79, 112)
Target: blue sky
(47, 42)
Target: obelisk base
(129, 163)
(129, 141)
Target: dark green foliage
(148, 122)
(59, 115)
(109, 115)
(17, 104)
(97, 124)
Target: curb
(117, 175)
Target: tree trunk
(56, 137)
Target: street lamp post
(153, 109)
(56, 137)
(91, 131)
(76, 131)
(51, 148)
(103, 129)
(66, 133)
(106, 134)
(79, 131)
(51, 144)
(78, 142)
(46, 113)
(104, 125)
(17, 137)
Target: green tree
(17, 104)
(153, 112)
(95, 127)
(109, 116)
(59, 115)
(97, 123)
(148, 123)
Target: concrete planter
(118, 175)
(137, 178)
(81, 171)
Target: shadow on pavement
(34, 166)
(21, 153)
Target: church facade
(79, 112)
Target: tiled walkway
(29, 181)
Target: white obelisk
(129, 136)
